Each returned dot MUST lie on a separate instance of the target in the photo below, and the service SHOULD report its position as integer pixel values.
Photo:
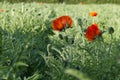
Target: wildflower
(92, 14)
(40, 3)
(56, 25)
(2, 10)
(81, 2)
(92, 32)
(61, 23)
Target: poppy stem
(110, 44)
(93, 19)
(48, 49)
(70, 55)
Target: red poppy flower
(2, 10)
(40, 3)
(61, 23)
(81, 2)
(92, 32)
(92, 14)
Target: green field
(32, 50)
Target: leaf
(76, 74)
(21, 64)
(36, 76)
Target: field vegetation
(31, 49)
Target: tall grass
(31, 50)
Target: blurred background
(67, 1)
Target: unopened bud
(60, 36)
(110, 30)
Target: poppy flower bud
(35, 10)
(13, 9)
(80, 22)
(110, 30)
(118, 46)
(26, 9)
(66, 39)
(13, 40)
(65, 63)
(39, 14)
(85, 30)
(60, 36)
(77, 67)
(71, 40)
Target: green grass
(31, 50)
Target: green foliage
(77, 74)
(31, 50)
(0, 40)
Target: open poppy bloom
(61, 23)
(92, 32)
(92, 14)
